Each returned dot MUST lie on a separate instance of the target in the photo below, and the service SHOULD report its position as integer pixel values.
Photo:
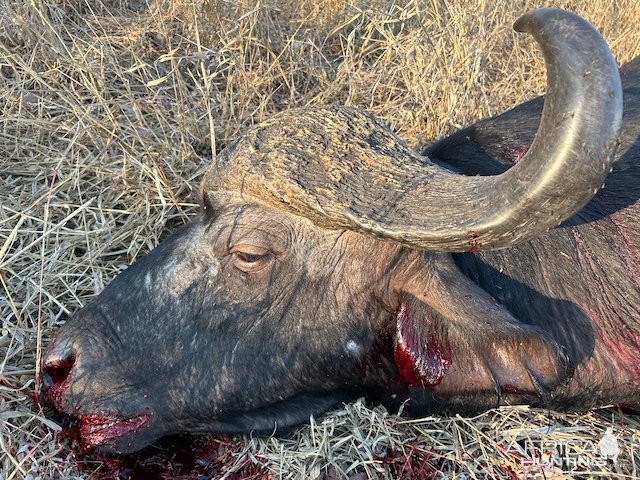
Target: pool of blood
(178, 457)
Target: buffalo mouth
(89, 431)
(95, 430)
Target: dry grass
(110, 112)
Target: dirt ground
(111, 111)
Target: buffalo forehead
(321, 163)
(240, 218)
(241, 221)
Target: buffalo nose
(57, 365)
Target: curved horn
(342, 169)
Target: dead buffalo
(331, 261)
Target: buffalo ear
(453, 338)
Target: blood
(513, 153)
(422, 358)
(179, 457)
(413, 462)
(617, 341)
(619, 338)
(474, 245)
(407, 369)
(55, 380)
(94, 430)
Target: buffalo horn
(341, 168)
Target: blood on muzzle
(56, 369)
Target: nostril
(56, 367)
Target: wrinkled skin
(251, 318)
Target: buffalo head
(317, 270)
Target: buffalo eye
(249, 258)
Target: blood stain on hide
(55, 379)
(513, 153)
(422, 357)
(95, 430)
(474, 245)
(407, 369)
(509, 388)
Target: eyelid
(249, 249)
